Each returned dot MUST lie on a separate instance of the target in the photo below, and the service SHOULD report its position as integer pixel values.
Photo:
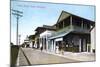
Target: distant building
(26, 42)
(31, 40)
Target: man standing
(41, 48)
(62, 47)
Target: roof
(65, 14)
(92, 28)
(31, 37)
(45, 27)
(38, 28)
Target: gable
(63, 16)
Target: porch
(72, 42)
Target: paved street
(37, 57)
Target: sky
(37, 14)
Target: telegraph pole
(19, 39)
(18, 14)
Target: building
(44, 42)
(72, 33)
(93, 39)
(31, 41)
(41, 40)
(26, 42)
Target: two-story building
(26, 42)
(44, 41)
(31, 40)
(72, 33)
(41, 36)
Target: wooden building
(72, 33)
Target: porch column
(25, 45)
(84, 45)
(46, 43)
(80, 45)
(87, 47)
(82, 24)
(36, 44)
(43, 43)
(40, 42)
(71, 21)
(54, 45)
(30, 44)
(63, 23)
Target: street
(36, 57)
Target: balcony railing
(80, 29)
(71, 28)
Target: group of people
(59, 47)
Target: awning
(58, 36)
(59, 39)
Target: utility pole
(18, 15)
(19, 39)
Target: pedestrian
(41, 48)
(62, 47)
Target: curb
(26, 57)
(17, 62)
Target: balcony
(70, 28)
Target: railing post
(71, 21)
(63, 23)
(82, 24)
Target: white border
(86, 2)
(5, 33)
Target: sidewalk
(83, 56)
(22, 60)
(35, 56)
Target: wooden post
(63, 24)
(82, 24)
(71, 21)
(80, 45)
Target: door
(83, 45)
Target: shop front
(72, 42)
